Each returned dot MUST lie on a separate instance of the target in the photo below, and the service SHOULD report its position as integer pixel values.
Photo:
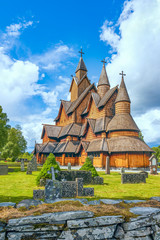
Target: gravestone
(133, 178)
(29, 168)
(3, 169)
(53, 190)
(153, 165)
(22, 165)
(69, 166)
(34, 163)
(107, 165)
(122, 170)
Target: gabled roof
(92, 123)
(101, 124)
(122, 122)
(76, 103)
(98, 145)
(81, 65)
(83, 128)
(72, 129)
(84, 144)
(37, 148)
(122, 93)
(48, 147)
(51, 130)
(103, 80)
(96, 98)
(60, 147)
(71, 146)
(107, 96)
(127, 144)
(66, 104)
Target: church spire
(81, 68)
(122, 102)
(103, 84)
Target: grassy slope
(17, 186)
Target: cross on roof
(81, 52)
(123, 74)
(104, 61)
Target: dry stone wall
(81, 225)
(133, 178)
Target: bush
(88, 166)
(50, 162)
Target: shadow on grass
(13, 199)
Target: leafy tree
(16, 144)
(157, 152)
(88, 166)
(26, 155)
(50, 162)
(141, 136)
(3, 128)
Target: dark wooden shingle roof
(51, 130)
(81, 65)
(122, 122)
(122, 93)
(127, 144)
(103, 80)
(98, 145)
(101, 124)
(107, 96)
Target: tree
(88, 166)
(50, 162)
(26, 155)
(141, 136)
(157, 152)
(16, 144)
(4, 127)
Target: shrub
(88, 166)
(50, 162)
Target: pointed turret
(122, 102)
(81, 69)
(103, 84)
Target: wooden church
(96, 121)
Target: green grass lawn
(17, 186)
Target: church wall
(74, 91)
(90, 134)
(82, 157)
(129, 160)
(80, 74)
(123, 133)
(102, 89)
(82, 86)
(122, 107)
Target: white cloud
(137, 53)
(14, 29)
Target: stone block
(72, 175)
(69, 189)
(95, 222)
(38, 194)
(42, 182)
(79, 182)
(133, 178)
(53, 190)
(145, 173)
(27, 203)
(97, 180)
(8, 204)
(3, 169)
(88, 191)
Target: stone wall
(80, 225)
(86, 175)
(3, 169)
(133, 178)
(72, 175)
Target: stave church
(95, 122)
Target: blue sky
(39, 44)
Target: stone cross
(107, 165)
(22, 165)
(52, 172)
(69, 166)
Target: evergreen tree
(88, 166)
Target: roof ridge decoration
(103, 80)
(122, 92)
(81, 64)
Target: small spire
(103, 80)
(122, 93)
(81, 64)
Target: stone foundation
(80, 225)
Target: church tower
(122, 103)
(103, 84)
(81, 69)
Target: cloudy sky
(39, 44)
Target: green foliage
(16, 144)
(88, 166)
(50, 162)
(141, 136)
(3, 128)
(157, 152)
(27, 156)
